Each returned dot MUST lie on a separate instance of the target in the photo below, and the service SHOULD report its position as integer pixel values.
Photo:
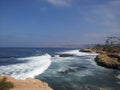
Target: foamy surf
(34, 66)
(118, 76)
(78, 53)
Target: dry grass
(5, 85)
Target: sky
(44, 23)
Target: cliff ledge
(28, 84)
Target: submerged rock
(67, 71)
(72, 69)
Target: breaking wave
(78, 53)
(34, 66)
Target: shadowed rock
(73, 69)
(108, 61)
(66, 55)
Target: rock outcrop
(105, 58)
(28, 84)
(88, 50)
(108, 60)
(66, 55)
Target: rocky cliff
(108, 60)
(28, 84)
(105, 58)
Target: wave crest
(78, 53)
(34, 66)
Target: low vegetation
(5, 85)
(112, 45)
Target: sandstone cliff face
(108, 60)
(28, 84)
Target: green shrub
(5, 85)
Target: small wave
(34, 66)
(118, 76)
(118, 82)
(78, 53)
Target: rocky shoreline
(27, 84)
(108, 61)
(105, 59)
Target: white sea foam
(34, 66)
(77, 53)
(118, 76)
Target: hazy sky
(37, 23)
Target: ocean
(77, 72)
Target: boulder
(65, 55)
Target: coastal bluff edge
(27, 84)
(105, 59)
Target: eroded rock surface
(28, 84)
